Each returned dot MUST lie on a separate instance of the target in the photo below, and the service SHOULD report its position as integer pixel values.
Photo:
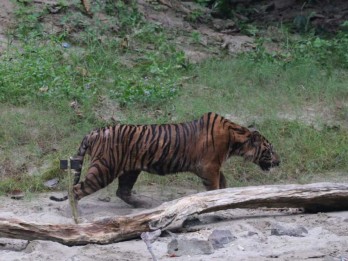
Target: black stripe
(207, 131)
(99, 176)
(183, 167)
(82, 188)
(113, 135)
(177, 148)
(148, 135)
(185, 134)
(201, 123)
(93, 186)
(155, 145)
(126, 153)
(212, 131)
(112, 164)
(137, 144)
(159, 164)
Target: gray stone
(150, 237)
(13, 244)
(223, 24)
(218, 238)
(251, 233)
(180, 247)
(52, 183)
(285, 229)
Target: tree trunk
(171, 215)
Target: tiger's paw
(137, 203)
(132, 200)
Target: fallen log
(171, 215)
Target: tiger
(200, 146)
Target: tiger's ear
(255, 138)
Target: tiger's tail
(59, 199)
(79, 157)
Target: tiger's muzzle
(267, 165)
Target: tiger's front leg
(212, 177)
(223, 182)
(124, 191)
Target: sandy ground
(327, 237)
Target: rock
(251, 233)
(66, 45)
(237, 43)
(218, 238)
(52, 183)
(104, 199)
(13, 244)
(195, 56)
(54, 8)
(16, 194)
(241, 248)
(283, 4)
(285, 229)
(150, 237)
(223, 24)
(179, 247)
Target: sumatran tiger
(200, 146)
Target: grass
(246, 86)
(143, 72)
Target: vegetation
(52, 85)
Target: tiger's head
(260, 151)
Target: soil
(325, 235)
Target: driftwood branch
(171, 215)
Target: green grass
(245, 86)
(146, 79)
(33, 137)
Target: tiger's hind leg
(125, 186)
(96, 179)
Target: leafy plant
(39, 73)
(194, 15)
(196, 37)
(28, 20)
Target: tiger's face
(260, 151)
(269, 158)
